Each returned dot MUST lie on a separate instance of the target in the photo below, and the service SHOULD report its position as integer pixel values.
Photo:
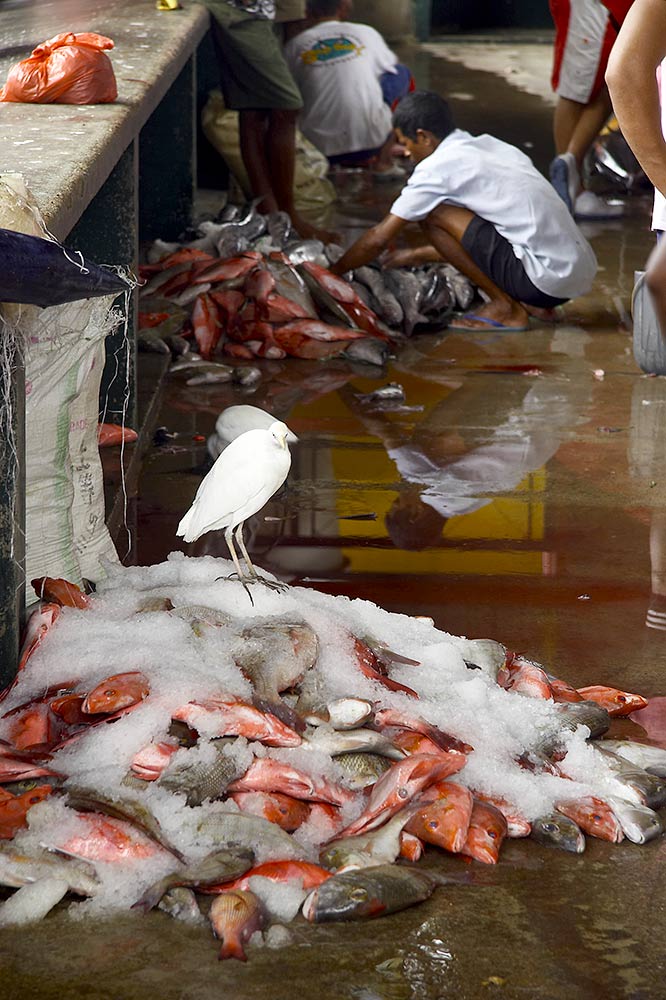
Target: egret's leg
(229, 539)
(246, 557)
(253, 572)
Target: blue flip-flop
(493, 324)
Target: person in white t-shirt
(339, 67)
(485, 209)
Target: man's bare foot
(494, 315)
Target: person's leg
(655, 279)
(591, 120)
(253, 128)
(445, 229)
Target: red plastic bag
(67, 69)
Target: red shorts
(584, 37)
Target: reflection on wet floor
(546, 451)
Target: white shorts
(584, 37)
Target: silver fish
(639, 823)
(290, 284)
(299, 251)
(219, 866)
(369, 892)
(246, 376)
(353, 741)
(279, 227)
(275, 654)
(649, 787)
(557, 830)
(368, 351)
(387, 305)
(181, 904)
(486, 655)
(202, 780)
(584, 713)
(17, 869)
(150, 341)
(407, 290)
(227, 828)
(378, 847)
(200, 613)
(194, 363)
(362, 769)
(209, 378)
(462, 289)
(392, 392)
(32, 902)
(650, 758)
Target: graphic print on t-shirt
(326, 49)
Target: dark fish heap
(246, 287)
(234, 769)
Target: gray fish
(407, 290)
(299, 251)
(650, 758)
(378, 847)
(127, 808)
(584, 713)
(462, 289)
(368, 351)
(246, 376)
(227, 828)
(325, 299)
(275, 654)
(650, 788)
(151, 342)
(557, 830)
(177, 344)
(362, 769)
(230, 213)
(486, 655)
(17, 869)
(232, 242)
(365, 295)
(392, 392)
(220, 866)
(354, 741)
(438, 301)
(159, 249)
(279, 227)
(181, 904)
(200, 613)
(190, 294)
(639, 823)
(369, 892)
(209, 378)
(387, 305)
(200, 780)
(194, 364)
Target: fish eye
(492, 834)
(549, 827)
(596, 817)
(621, 698)
(433, 824)
(359, 894)
(402, 793)
(109, 693)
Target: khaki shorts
(253, 72)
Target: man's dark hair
(323, 8)
(423, 109)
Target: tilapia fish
(275, 655)
(203, 780)
(387, 306)
(556, 830)
(362, 769)
(407, 289)
(17, 869)
(369, 892)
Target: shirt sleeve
(385, 60)
(418, 199)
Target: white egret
(245, 476)
(236, 420)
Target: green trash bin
(422, 19)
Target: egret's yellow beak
(283, 440)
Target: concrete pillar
(108, 232)
(168, 162)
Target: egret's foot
(241, 579)
(273, 584)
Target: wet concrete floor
(562, 561)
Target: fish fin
(232, 948)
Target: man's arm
(631, 79)
(371, 244)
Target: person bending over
(348, 78)
(485, 209)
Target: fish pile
(163, 745)
(245, 287)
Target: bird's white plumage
(245, 476)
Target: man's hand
(370, 245)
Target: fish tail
(152, 896)
(232, 947)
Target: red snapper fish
(617, 703)
(149, 762)
(16, 766)
(444, 821)
(14, 810)
(207, 325)
(39, 624)
(108, 839)
(258, 285)
(236, 718)
(268, 775)
(372, 666)
(313, 339)
(487, 830)
(522, 676)
(346, 297)
(593, 816)
(285, 811)
(117, 692)
(398, 786)
(235, 915)
(411, 847)
(225, 270)
(59, 591)
(284, 872)
(404, 720)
